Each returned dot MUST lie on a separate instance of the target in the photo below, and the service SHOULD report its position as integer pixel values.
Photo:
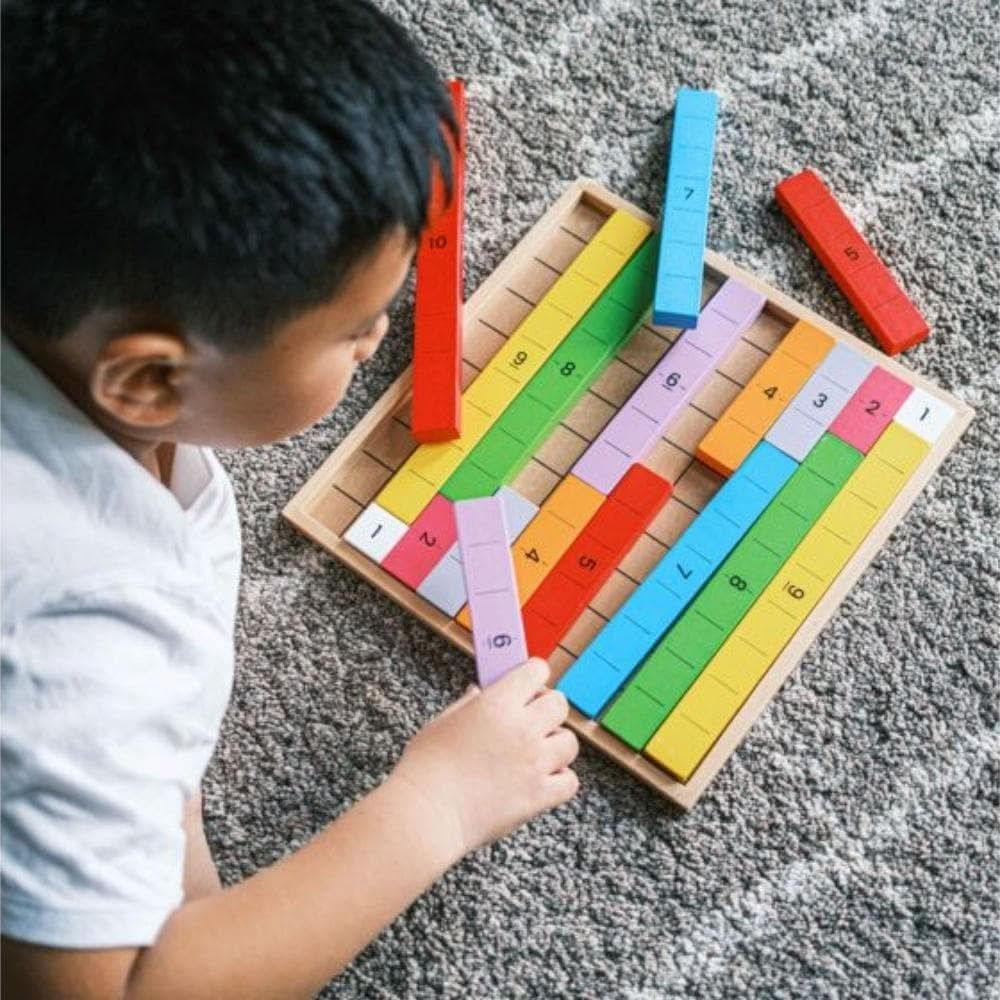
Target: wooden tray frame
(321, 510)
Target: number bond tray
(670, 616)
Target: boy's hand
(495, 758)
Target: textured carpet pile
(850, 847)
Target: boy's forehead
(368, 288)
(378, 276)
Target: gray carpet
(850, 847)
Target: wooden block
(869, 410)
(437, 336)
(925, 415)
(623, 233)
(425, 543)
(669, 387)
(497, 629)
(592, 557)
(375, 532)
(633, 716)
(711, 705)
(495, 387)
(752, 413)
(408, 493)
(736, 666)
(685, 209)
(680, 747)
(852, 263)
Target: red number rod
(853, 265)
(588, 563)
(437, 339)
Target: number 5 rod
(497, 628)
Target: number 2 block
(424, 545)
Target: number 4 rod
(497, 628)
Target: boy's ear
(136, 378)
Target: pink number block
(869, 410)
(497, 627)
(424, 544)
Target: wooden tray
(355, 472)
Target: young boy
(207, 212)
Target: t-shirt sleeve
(100, 753)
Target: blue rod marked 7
(620, 647)
(684, 225)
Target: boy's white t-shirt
(119, 599)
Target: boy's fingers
(523, 682)
(562, 786)
(549, 711)
(561, 749)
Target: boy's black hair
(221, 163)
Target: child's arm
(480, 769)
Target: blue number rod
(684, 226)
(624, 642)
